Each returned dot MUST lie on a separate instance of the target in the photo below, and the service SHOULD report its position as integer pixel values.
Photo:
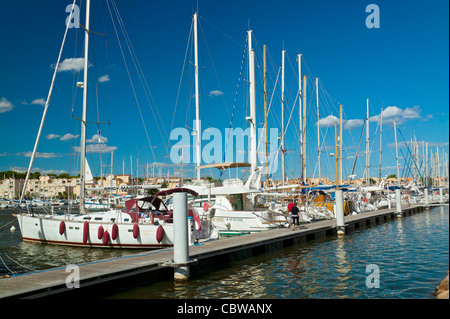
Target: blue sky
(401, 67)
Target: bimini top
(155, 202)
(225, 165)
(177, 190)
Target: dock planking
(106, 276)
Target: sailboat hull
(46, 229)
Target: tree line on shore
(35, 175)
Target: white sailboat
(145, 223)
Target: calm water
(411, 253)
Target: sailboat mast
(304, 132)
(299, 61)
(252, 117)
(197, 103)
(318, 127)
(367, 146)
(84, 113)
(396, 153)
(265, 114)
(427, 178)
(340, 145)
(283, 152)
(381, 140)
(336, 156)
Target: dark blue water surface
(411, 254)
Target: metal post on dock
(181, 261)
(427, 201)
(398, 203)
(340, 224)
(180, 229)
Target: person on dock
(295, 216)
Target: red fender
(85, 232)
(100, 232)
(115, 232)
(105, 238)
(135, 230)
(62, 227)
(160, 234)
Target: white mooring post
(441, 196)
(181, 261)
(180, 242)
(340, 225)
(398, 203)
(427, 202)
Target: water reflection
(411, 253)
(343, 268)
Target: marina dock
(107, 276)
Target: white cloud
(68, 136)
(39, 155)
(71, 64)
(38, 102)
(96, 148)
(394, 113)
(328, 121)
(215, 93)
(104, 78)
(52, 136)
(351, 124)
(97, 139)
(5, 105)
(65, 137)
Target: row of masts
(302, 80)
(252, 118)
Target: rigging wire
(131, 82)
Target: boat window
(98, 218)
(87, 218)
(236, 201)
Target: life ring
(406, 196)
(365, 200)
(206, 207)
